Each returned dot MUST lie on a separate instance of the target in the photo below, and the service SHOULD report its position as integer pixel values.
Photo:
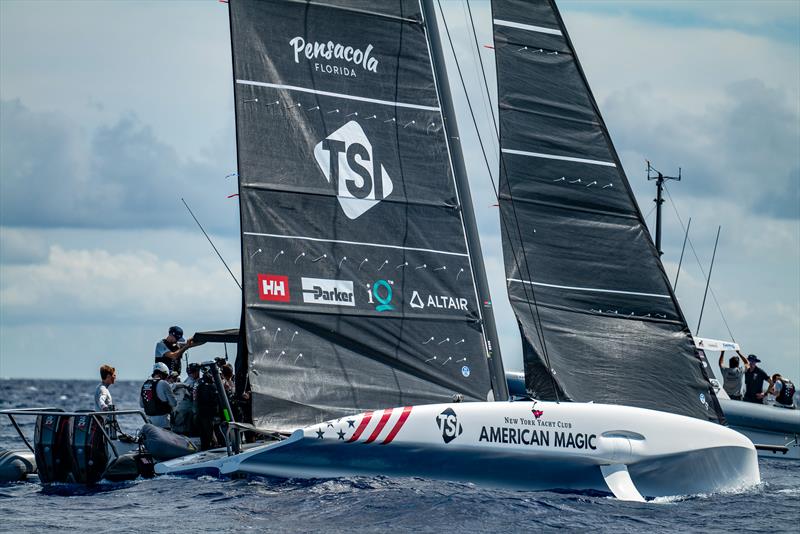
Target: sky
(112, 112)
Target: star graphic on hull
(320, 433)
(351, 423)
(341, 434)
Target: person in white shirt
(102, 397)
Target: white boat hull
(523, 445)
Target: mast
(499, 384)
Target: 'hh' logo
(347, 161)
(273, 287)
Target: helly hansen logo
(322, 291)
(347, 160)
(273, 287)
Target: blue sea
(209, 504)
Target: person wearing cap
(169, 350)
(754, 379)
(193, 375)
(156, 397)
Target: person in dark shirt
(754, 379)
(169, 350)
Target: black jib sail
(598, 317)
(358, 287)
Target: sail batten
(598, 318)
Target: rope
(699, 264)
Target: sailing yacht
(367, 339)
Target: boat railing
(99, 418)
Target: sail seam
(337, 95)
(279, 188)
(592, 289)
(554, 156)
(556, 205)
(343, 242)
(529, 27)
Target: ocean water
(209, 504)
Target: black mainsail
(598, 318)
(359, 285)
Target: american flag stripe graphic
(398, 425)
(361, 426)
(382, 423)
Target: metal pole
(659, 200)
(708, 282)
(227, 413)
(683, 249)
(499, 384)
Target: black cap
(193, 367)
(176, 332)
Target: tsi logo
(335, 292)
(447, 421)
(273, 287)
(347, 161)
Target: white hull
(573, 446)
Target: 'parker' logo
(347, 161)
(273, 287)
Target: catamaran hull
(522, 445)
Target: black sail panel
(598, 318)
(358, 288)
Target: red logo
(273, 287)
(536, 413)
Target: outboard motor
(89, 454)
(51, 444)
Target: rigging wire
(699, 264)
(536, 317)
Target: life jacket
(152, 404)
(786, 396)
(172, 365)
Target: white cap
(161, 367)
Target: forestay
(584, 278)
(357, 281)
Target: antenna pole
(708, 282)
(212, 243)
(659, 178)
(683, 249)
(496, 371)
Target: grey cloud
(117, 176)
(745, 148)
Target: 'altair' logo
(347, 161)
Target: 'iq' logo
(447, 421)
(347, 161)
(381, 293)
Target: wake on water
(361, 504)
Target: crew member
(169, 350)
(193, 372)
(733, 375)
(102, 397)
(156, 397)
(783, 390)
(754, 379)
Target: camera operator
(169, 350)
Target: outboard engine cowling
(89, 454)
(51, 443)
